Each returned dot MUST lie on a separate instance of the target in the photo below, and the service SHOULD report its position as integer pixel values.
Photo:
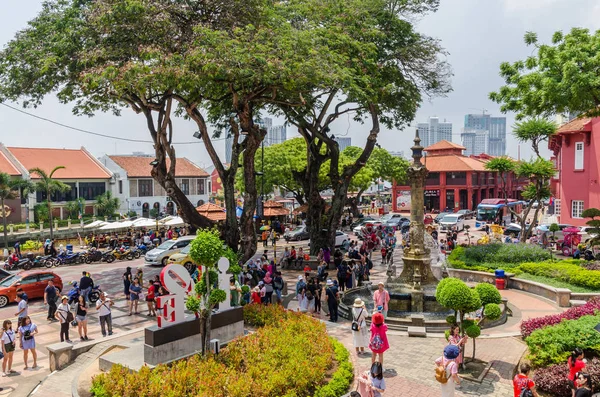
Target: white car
(341, 238)
(453, 221)
(160, 255)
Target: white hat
(300, 278)
(329, 282)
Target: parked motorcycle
(123, 253)
(23, 263)
(40, 260)
(75, 291)
(108, 257)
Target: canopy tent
(117, 225)
(94, 224)
(212, 211)
(273, 208)
(144, 222)
(177, 221)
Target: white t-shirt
(22, 305)
(62, 312)
(103, 307)
(8, 336)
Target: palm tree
(50, 186)
(9, 190)
(107, 204)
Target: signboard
(432, 193)
(403, 200)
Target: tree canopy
(558, 78)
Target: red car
(32, 282)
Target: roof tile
(451, 162)
(444, 144)
(577, 125)
(139, 166)
(77, 162)
(7, 166)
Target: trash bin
(499, 273)
(70, 247)
(500, 283)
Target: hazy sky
(478, 34)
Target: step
(577, 303)
(419, 332)
(131, 357)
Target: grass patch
(554, 282)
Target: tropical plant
(49, 185)
(594, 222)
(74, 207)
(9, 190)
(573, 313)
(41, 213)
(106, 204)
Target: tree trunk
(207, 317)
(316, 217)
(232, 231)
(247, 225)
(353, 203)
(473, 349)
(4, 224)
(50, 216)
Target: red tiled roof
(139, 166)
(212, 211)
(444, 144)
(78, 163)
(7, 166)
(577, 125)
(453, 162)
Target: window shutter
(578, 155)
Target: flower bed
(590, 308)
(553, 379)
(289, 356)
(489, 257)
(553, 345)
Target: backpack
(440, 372)
(376, 343)
(525, 390)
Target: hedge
(565, 271)
(553, 345)
(290, 357)
(507, 255)
(592, 307)
(553, 379)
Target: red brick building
(454, 181)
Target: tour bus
(496, 210)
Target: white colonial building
(138, 192)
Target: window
(91, 190)
(69, 195)
(433, 178)
(578, 155)
(576, 208)
(185, 186)
(201, 189)
(120, 187)
(557, 207)
(29, 280)
(46, 277)
(145, 187)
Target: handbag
(355, 326)
(74, 323)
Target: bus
(496, 210)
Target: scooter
(23, 263)
(122, 253)
(75, 291)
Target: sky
(478, 35)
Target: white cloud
(520, 5)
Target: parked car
(468, 214)
(396, 222)
(441, 216)
(33, 283)
(183, 258)
(340, 238)
(362, 221)
(160, 255)
(404, 228)
(357, 230)
(453, 222)
(515, 229)
(4, 274)
(299, 233)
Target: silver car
(160, 255)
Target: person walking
(50, 297)
(27, 332)
(8, 347)
(522, 380)
(103, 305)
(64, 315)
(134, 296)
(360, 336)
(22, 308)
(85, 285)
(265, 238)
(381, 298)
(331, 296)
(81, 317)
(379, 341)
(127, 278)
(278, 286)
(449, 365)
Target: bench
(59, 355)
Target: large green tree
(106, 204)
(9, 190)
(50, 186)
(557, 78)
(384, 68)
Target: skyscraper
(434, 131)
(496, 126)
(475, 141)
(343, 142)
(275, 135)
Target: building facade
(275, 135)
(86, 176)
(576, 148)
(475, 141)
(138, 192)
(454, 181)
(343, 142)
(496, 128)
(434, 131)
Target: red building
(576, 147)
(454, 181)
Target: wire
(96, 133)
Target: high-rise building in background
(343, 142)
(275, 135)
(475, 141)
(496, 137)
(434, 131)
(398, 154)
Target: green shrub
(287, 359)
(490, 257)
(488, 294)
(566, 271)
(342, 378)
(451, 319)
(492, 311)
(31, 245)
(473, 331)
(260, 315)
(553, 344)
